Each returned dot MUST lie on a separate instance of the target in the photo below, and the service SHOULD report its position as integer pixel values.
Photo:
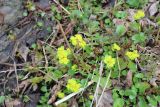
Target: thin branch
(65, 38)
(62, 7)
(15, 70)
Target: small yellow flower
(78, 41)
(132, 55)
(109, 61)
(139, 14)
(74, 67)
(64, 61)
(60, 94)
(91, 97)
(62, 55)
(73, 86)
(115, 47)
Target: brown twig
(8, 64)
(62, 7)
(63, 33)
(15, 70)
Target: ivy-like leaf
(139, 38)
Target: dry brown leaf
(73, 103)
(23, 51)
(22, 86)
(106, 100)
(54, 92)
(152, 1)
(157, 73)
(146, 21)
(131, 14)
(156, 77)
(13, 103)
(43, 4)
(153, 82)
(153, 8)
(1, 18)
(129, 78)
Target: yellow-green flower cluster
(109, 61)
(91, 97)
(78, 41)
(62, 55)
(139, 14)
(132, 55)
(60, 94)
(74, 67)
(73, 85)
(115, 47)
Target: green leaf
(93, 26)
(44, 88)
(139, 75)
(134, 26)
(57, 74)
(121, 14)
(142, 86)
(108, 22)
(36, 80)
(119, 102)
(71, 72)
(2, 98)
(76, 14)
(157, 98)
(115, 95)
(40, 24)
(132, 66)
(131, 93)
(102, 81)
(152, 101)
(142, 102)
(123, 64)
(120, 30)
(138, 38)
(133, 3)
(124, 72)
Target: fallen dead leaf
(1, 18)
(13, 103)
(146, 21)
(119, 21)
(34, 98)
(156, 77)
(106, 100)
(153, 8)
(23, 51)
(73, 103)
(130, 14)
(54, 92)
(152, 1)
(129, 78)
(22, 86)
(157, 73)
(153, 82)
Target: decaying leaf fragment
(153, 8)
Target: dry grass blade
(97, 88)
